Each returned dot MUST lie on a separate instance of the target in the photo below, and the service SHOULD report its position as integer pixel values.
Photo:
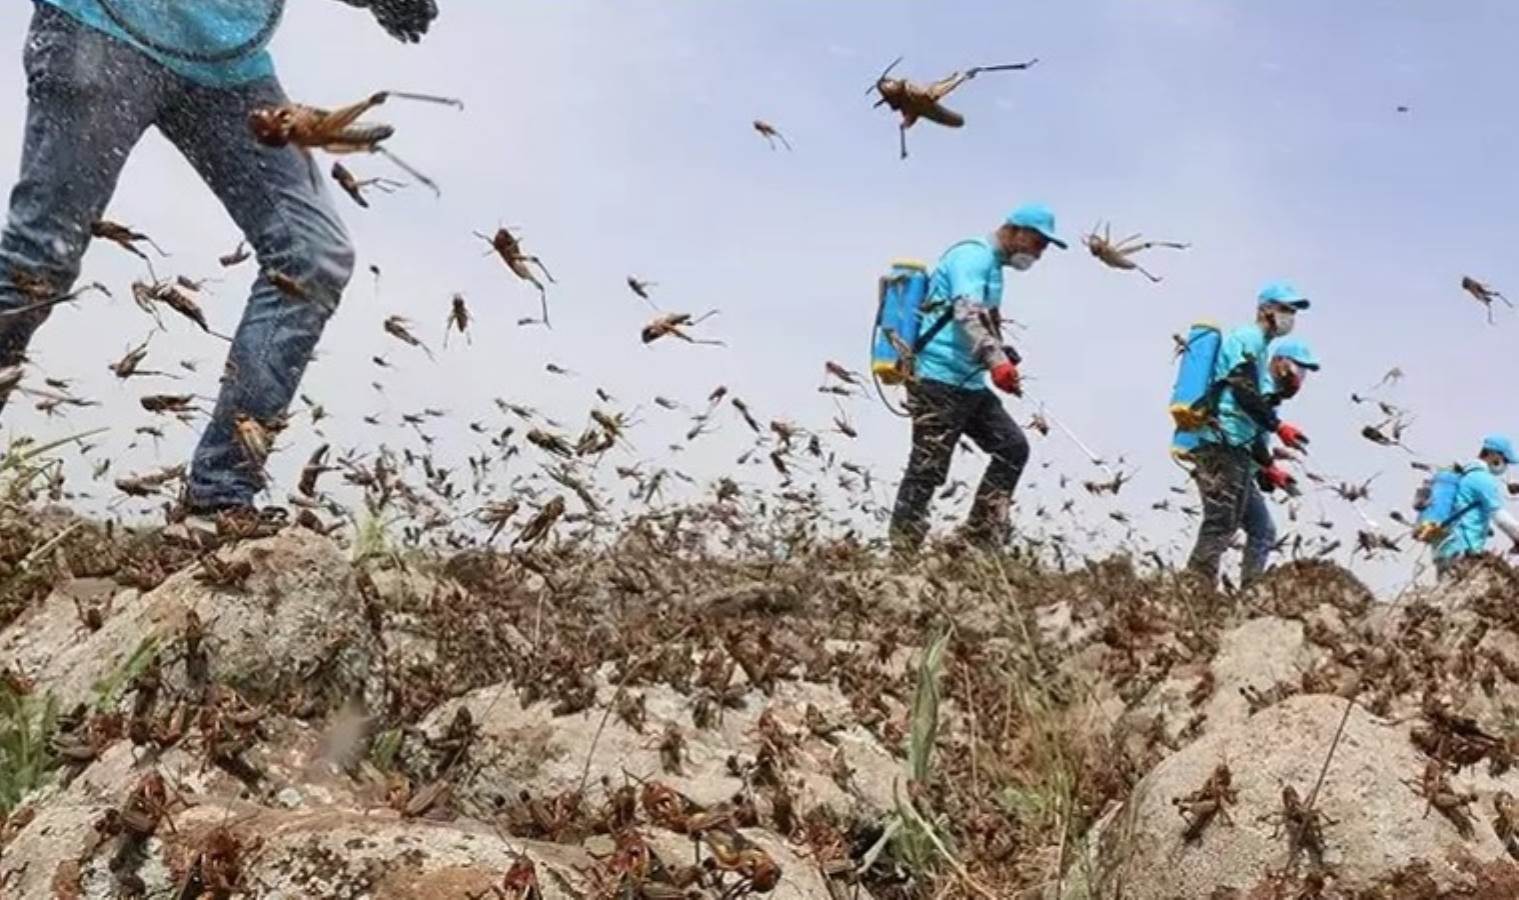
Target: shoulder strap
(1209, 401)
(935, 328)
(1461, 472)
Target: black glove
(1012, 354)
(404, 20)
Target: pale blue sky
(617, 137)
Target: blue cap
(1283, 292)
(1037, 217)
(1295, 349)
(1497, 443)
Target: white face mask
(1282, 321)
(1022, 261)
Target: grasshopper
(916, 101)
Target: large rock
(292, 853)
(295, 628)
(1255, 656)
(1379, 824)
(530, 749)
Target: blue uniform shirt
(190, 28)
(1480, 493)
(1235, 428)
(970, 270)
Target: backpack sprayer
(895, 340)
(1435, 502)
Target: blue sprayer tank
(899, 315)
(1194, 376)
(1436, 504)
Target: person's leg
(937, 423)
(89, 100)
(1260, 534)
(278, 198)
(995, 432)
(1223, 476)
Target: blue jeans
(1260, 535)
(90, 99)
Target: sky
(616, 139)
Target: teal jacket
(1480, 494)
(968, 284)
(214, 43)
(1243, 420)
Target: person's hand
(1292, 436)
(1005, 377)
(404, 20)
(1273, 477)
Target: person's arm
(404, 20)
(1507, 524)
(979, 325)
(1487, 496)
(970, 269)
(1243, 380)
(1260, 451)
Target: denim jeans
(1260, 535)
(941, 414)
(90, 99)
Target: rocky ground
(190, 714)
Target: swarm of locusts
(579, 570)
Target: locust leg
(1168, 245)
(342, 117)
(385, 185)
(156, 249)
(52, 302)
(942, 88)
(407, 167)
(1154, 279)
(543, 300)
(902, 139)
(539, 263)
(426, 98)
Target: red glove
(1005, 377)
(1274, 477)
(1292, 436)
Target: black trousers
(1223, 476)
(941, 414)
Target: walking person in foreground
(947, 394)
(1241, 412)
(99, 74)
